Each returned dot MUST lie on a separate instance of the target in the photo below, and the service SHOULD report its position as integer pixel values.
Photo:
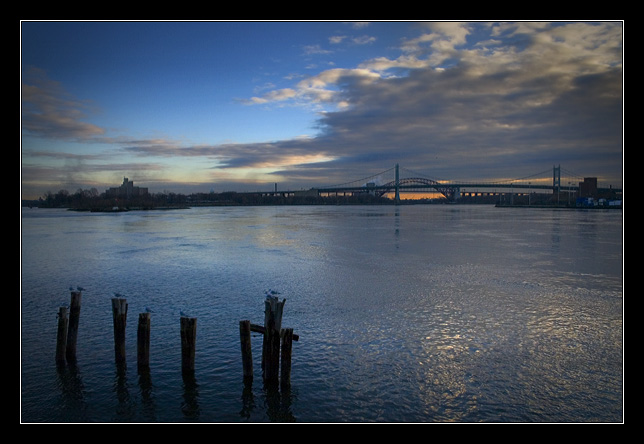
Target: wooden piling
(271, 353)
(273, 310)
(61, 340)
(274, 337)
(72, 328)
(285, 369)
(119, 315)
(246, 350)
(188, 342)
(261, 329)
(143, 341)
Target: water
(405, 314)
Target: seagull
(80, 288)
(148, 310)
(118, 295)
(71, 288)
(183, 315)
(271, 294)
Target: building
(592, 196)
(588, 188)
(127, 190)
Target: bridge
(381, 184)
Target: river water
(424, 313)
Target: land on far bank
(94, 202)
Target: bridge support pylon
(397, 198)
(556, 181)
(556, 178)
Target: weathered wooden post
(274, 337)
(246, 350)
(143, 342)
(188, 342)
(119, 315)
(61, 339)
(287, 345)
(72, 328)
(271, 353)
(271, 345)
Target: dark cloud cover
(522, 98)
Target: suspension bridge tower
(556, 180)
(397, 185)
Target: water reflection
(277, 403)
(126, 406)
(414, 314)
(147, 395)
(190, 405)
(397, 228)
(73, 404)
(248, 401)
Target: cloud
(360, 25)
(315, 49)
(443, 38)
(460, 100)
(49, 112)
(363, 40)
(360, 40)
(272, 96)
(321, 89)
(329, 85)
(550, 92)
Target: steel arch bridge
(410, 182)
(452, 190)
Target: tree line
(92, 200)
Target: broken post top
(273, 310)
(119, 306)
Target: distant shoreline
(127, 209)
(563, 207)
(336, 203)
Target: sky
(183, 106)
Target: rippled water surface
(420, 313)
